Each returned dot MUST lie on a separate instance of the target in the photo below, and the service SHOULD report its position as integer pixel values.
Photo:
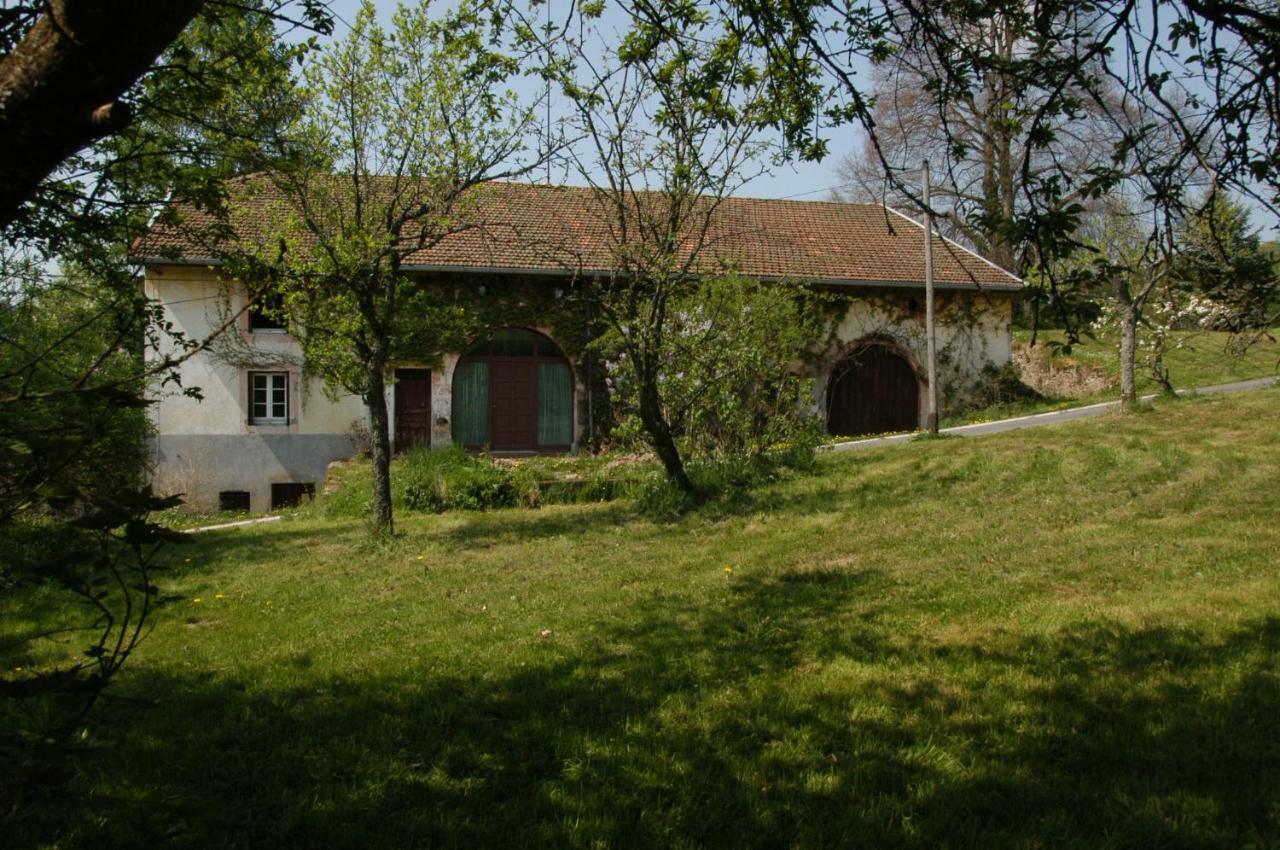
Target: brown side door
(872, 391)
(413, 408)
(513, 404)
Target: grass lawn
(1194, 358)
(1061, 637)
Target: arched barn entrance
(874, 389)
(513, 392)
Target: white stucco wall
(206, 445)
(197, 302)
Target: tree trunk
(380, 519)
(60, 86)
(664, 445)
(1128, 346)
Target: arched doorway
(513, 392)
(874, 389)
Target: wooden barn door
(872, 391)
(513, 404)
(513, 392)
(413, 408)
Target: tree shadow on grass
(206, 553)
(481, 529)
(789, 715)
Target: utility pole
(928, 304)
(546, 35)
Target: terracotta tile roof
(526, 228)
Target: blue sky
(807, 181)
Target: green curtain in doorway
(471, 403)
(555, 405)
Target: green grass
(181, 519)
(437, 480)
(1063, 637)
(1194, 359)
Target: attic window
(266, 315)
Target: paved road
(1051, 418)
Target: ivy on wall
(967, 373)
(563, 307)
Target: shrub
(731, 384)
(448, 478)
(723, 478)
(438, 480)
(659, 498)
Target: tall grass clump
(437, 480)
(727, 476)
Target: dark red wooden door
(513, 404)
(872, 391)
(413, 408)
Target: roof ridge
(784, 200)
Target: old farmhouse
(265, 431)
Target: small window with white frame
(268, 398)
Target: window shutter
(555, 404)
(471, 403)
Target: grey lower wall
(202, 465)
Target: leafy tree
(189, 132)
(401, 128)
(74, 320)
(731, 379)
(1204, 74)
(1133, 269)
(976, 138)
(78, 319)
(1221, 258)
(68, 69)
(74, 512)
(63, 443)
(670, 125)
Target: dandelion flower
(218, 596)
(197, 600)
(728, 571)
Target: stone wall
(973, 335)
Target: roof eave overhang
(1012, 286)
(174, 261)
(867, 283)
